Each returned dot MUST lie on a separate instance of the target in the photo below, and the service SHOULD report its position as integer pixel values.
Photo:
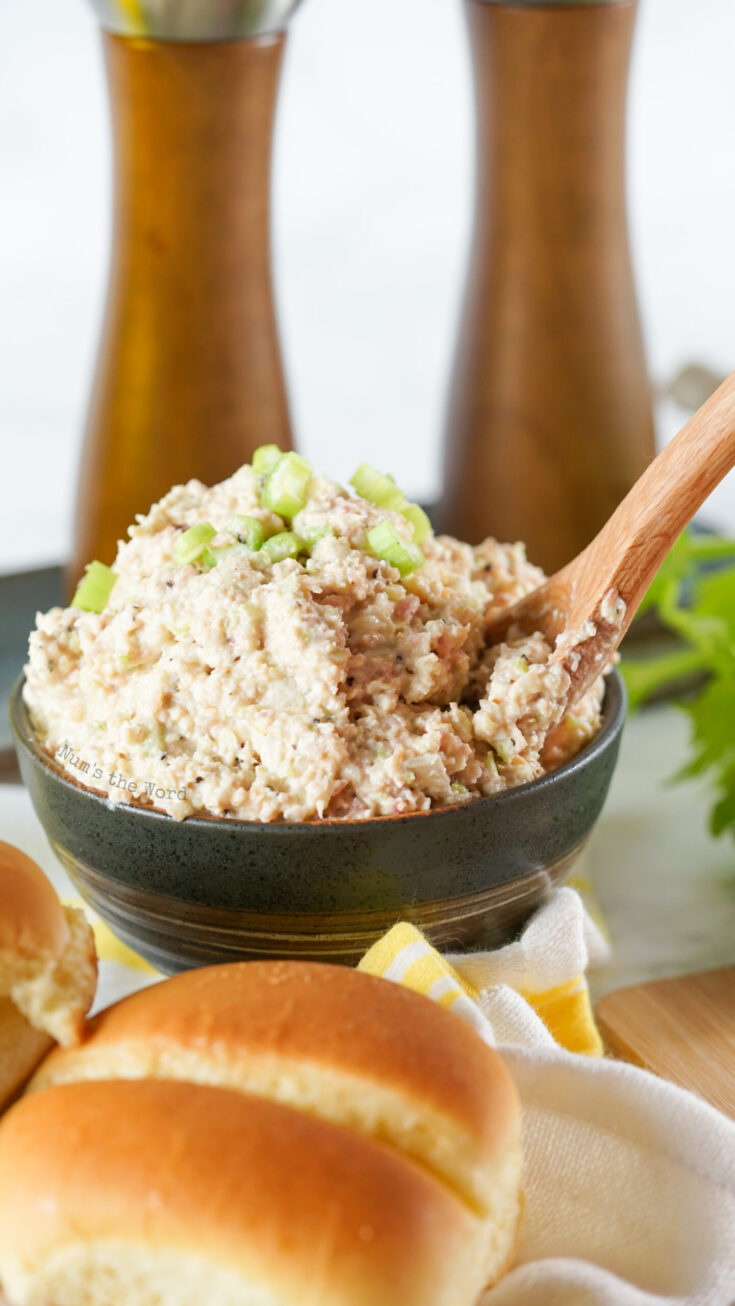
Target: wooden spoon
(585, 609)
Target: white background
(372, 202)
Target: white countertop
(372, 199)
(666, 890)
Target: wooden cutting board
(682, 1029)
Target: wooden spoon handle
(629, 549)
(579, 609)
(625, 555)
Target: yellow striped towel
(545, 967)
(403, 955)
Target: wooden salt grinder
(188, 379)
(550, 411)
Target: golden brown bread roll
(48, 969)
(32, 919)
(211, 1198)
(21, 1049)
(347, 1079)
(341, 1044)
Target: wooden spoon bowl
(585, 609)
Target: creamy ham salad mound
(297, 664)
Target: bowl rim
(614, 707)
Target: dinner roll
(21, 1049)
(48, 964)
(340, 1044)
(168, 1194)
(268, 1133)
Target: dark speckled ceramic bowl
(204, 890)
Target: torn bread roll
(48, 969)
(21, 1049)
(349, 1142)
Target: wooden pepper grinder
(189, 377)
(550, 410)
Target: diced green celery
(313, 534)
(285, 490)
(378, 488)
(385, 543)
(417, 518)
(265, 458)
(211, 557)
(248, 530)
(286, 544)
(191, 545)
(94, 588)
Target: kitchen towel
(545, 967)
(629, 1181)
